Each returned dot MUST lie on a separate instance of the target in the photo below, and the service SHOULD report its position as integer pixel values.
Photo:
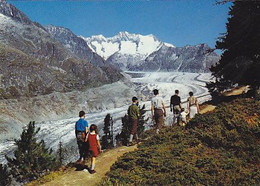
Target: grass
(217, 148)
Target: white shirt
(157, 102)
(183, 116)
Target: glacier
(62, 129)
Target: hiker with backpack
(94, 146)
(175, 107)
(81, 129)
(158, 110)
(134, 114)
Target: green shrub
(32, 159)
(218, 148)
(5, 176)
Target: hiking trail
(103, 163)
(105, 160)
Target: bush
(5, 176)
(218, 148)
(32, 159)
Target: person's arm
(86, 139)
(164, 109)
(99, 146)
(180, 102)
(197, 105)
(152, 110)
(138, 112)
(188, 105)
(86, 128)
(171, 105)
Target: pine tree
(107, 138)
(5, 176)
(126, 126)
(31, 158)
(240, 61)
(60, 154)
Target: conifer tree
(5, 176)
(31, 158)
(107, 138)
(240, 61)
(60, 154)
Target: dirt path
(206, 108)
(103, 164)
(237, 91)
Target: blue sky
(179, 22)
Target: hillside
(217, 148)
(221, 147)
(34, 63)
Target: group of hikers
(88, 140)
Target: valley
(54, 131)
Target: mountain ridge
(124, 50)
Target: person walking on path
(193, 105)
(134, 114)
(94, 146)
(81, 129)
(183, 117)
(158, 110)
(175, 106)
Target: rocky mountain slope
(197, 58)
(75, 44)
(147, 53)
(35, 63)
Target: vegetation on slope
(217, 148)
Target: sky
(179, 22)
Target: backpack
(81, 136)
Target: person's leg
(134, 130)
(159, 120)
(156, 118)
(174, 118)
(136, 138)
(80, 151)
(193, 111)
(178, 118)
(131, 138)
(92, 167)
(85, 151)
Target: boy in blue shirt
(81, 129)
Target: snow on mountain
(147, 53)
(123, 43)
(180, 59)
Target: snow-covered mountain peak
(169, 45)
(98, 38)
(124, 43)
